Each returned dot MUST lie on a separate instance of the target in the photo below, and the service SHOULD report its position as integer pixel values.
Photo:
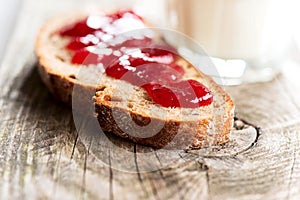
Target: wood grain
(42, 157)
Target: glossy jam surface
(135, 57)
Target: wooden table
(42, 157)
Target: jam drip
(134, 57)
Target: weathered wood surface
(41, 156)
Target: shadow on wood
(51, 119)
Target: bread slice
(127, 110)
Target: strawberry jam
(135, 57)
(186, 93)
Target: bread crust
(175, 133)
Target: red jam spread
(134, 57)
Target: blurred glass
(247, 39)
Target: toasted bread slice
(127, 110)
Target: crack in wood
(138, 170)
(258, 129)
(154, 190)
(160, 163)
(258, 133)
(83, 188)
(74, 146)
(111, 191)
(207, 183)
(243, 138)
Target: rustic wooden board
(41, 156)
